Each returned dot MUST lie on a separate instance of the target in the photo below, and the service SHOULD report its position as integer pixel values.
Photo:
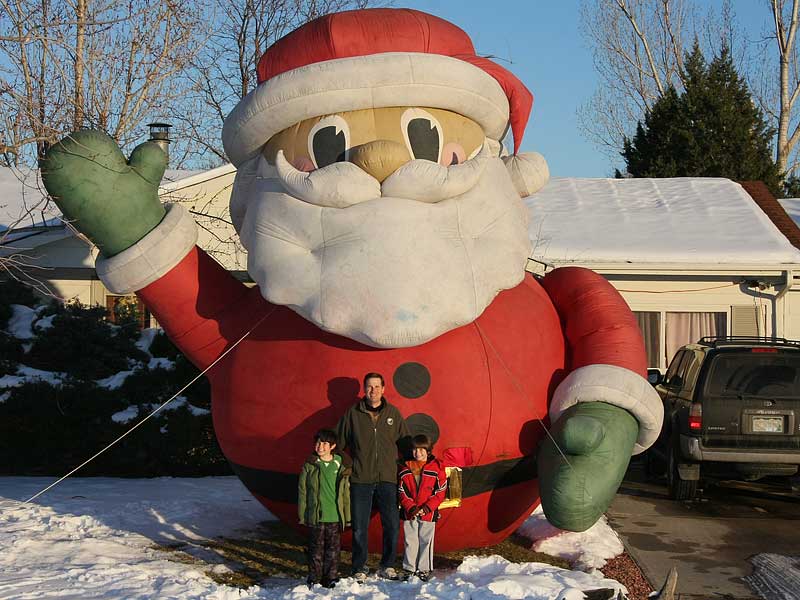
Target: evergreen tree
(711, 129)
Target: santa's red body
(483, 387)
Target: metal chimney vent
(159, 133)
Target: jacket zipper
(375, 433)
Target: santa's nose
(379, 158)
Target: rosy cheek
(453, 154)
(303, 163)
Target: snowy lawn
(106, 538)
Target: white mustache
(343, 184)
(338, 185)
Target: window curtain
(649, 326)
(688, 327)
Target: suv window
(673, 368)
(754, 374)
(679, 377)
(692, 368)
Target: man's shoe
(311, 582)
(424, 575)
(330, 583)
(360, 576)
(389, 573)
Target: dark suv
(731, 409)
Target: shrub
(83, 344)
(10, 354)
(14, 292)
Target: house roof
(773, 208)
(682, 220)
(24, 201)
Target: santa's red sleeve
(606, 356)
(198, 303)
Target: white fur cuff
(613, 385)
(152, 256)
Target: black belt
(282, 487)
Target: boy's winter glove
(113, 201)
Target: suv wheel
(679, 489)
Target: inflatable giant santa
(385, 232)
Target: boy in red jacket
(422, 483)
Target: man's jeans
(361, 495)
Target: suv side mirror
(654, 376)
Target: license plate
(768, 424)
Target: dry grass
(276, 550)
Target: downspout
(787, 286)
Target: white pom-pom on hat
(528, 171)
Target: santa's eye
(328, 141)
(422, 133)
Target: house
(691, 256)
(55, 254)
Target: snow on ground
(586, 550)
(93, 538)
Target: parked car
(732, 410)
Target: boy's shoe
(330, 583)
(424, 575)
(311, 582)
(360, 576)
(405, 574)
(388, 573)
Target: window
(688, 327)
(673, 368)
(665, 332)
(650, 326)
(127, 309)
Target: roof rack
(714, 341)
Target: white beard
(389, 272)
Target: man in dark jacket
(370, 431)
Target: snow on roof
(676, 220)
(24, 201)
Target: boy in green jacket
(323, 504)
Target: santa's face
(389, 226)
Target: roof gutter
(539, 267)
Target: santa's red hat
(374, 58)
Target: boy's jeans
(324, 545)
(361, 495)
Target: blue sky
(542, 39)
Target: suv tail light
(696, 417)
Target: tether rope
(208, 368)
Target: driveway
(710, 541)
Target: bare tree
(107, 64)
(638, 52)
(65, 64)
(225, 70)
(777, 83)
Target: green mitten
(113, 201)
(578, 483)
